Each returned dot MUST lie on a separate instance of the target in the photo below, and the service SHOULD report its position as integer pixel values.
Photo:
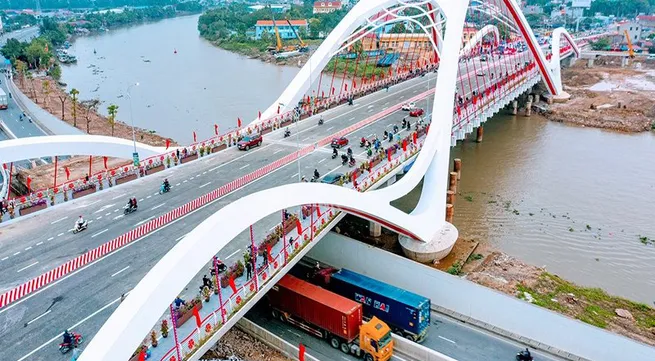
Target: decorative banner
(268, 253)
(318, 210)
(345, 87)
(68, 173)
(404, 145)
(389, 154)
(29, 184)
(332, 90)
(232, 285)
(354, 84)
(104, 159)
(168, 143)
(298, 226)
(216, 129)
(414, 137)
(194, 137)
(197, 316)
(238, 122)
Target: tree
(21, 69)
(91, 106)
(398, 28)
(13, 50)
(45, 85)
(74, 92)
(55, 72)
(30, 77)
(112, 109)
(601, 44)
(62, 98)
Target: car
(416, 112)
(483, 58)
(250, 141)
(332, 178)
(409, 106)
(339, 142)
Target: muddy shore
(608, 96)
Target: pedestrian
(86, 177)
(76, 353)
(206, 282)
(248, 270)
(265, 255)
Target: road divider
(103, 250)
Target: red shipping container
(319, 307)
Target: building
(286, 32)
(647, 23)
(533, 10)
(633, 28)
(324, 7)
(278, 9)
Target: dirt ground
(42, 175)
(591, 305)
(608, 96)
(240, 344)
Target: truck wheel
(334, 342)
(368, 357)
(410, 337)
(345, 348)
(274, 314)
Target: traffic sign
(135, 157)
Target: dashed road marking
(120, 271)
(28, 248)
(233, 253)
(50, 239)
(322, 160)
(204, 185)
(330, 128)
(245, 166)
(141, 200)
(446, 339)
(148, 197)
(279, 150)
(177, 185)
(157, 206)
(60, 234)
(39, 316)
(26, 267)
(99, 233)
(40, 243)
(4, 259)
(59, 220)
(119, 216)
(294, 176)
(144, 221)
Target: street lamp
(129, 96)
(295, 118)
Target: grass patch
(455, 269)
(544, 300)
(474, 257)
(469, 198)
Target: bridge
(226, 202)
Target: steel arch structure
(125, 329)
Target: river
(530, 189)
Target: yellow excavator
(631, 50)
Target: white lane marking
(370, 135)
(353, 118)
(205, 172)
(154, 194)
(191, 178)
(198, 176)
(185, 181)
(28, 248)
(302, 337)
(304, 139)
(50, 239)
(116, 210)
(148, 197)
(371, 106)
(281, 150)
(118, 196)
(233, 253)
(179, 238)
(98, 218)
(204, 185)
(330, 128)
(90, 204)
(59, 220)
(144, 221)
(26, 267)
(108, 214)
(40, 243)
(5, 258)
(387, 103)
(120, 271)
(91, 221)
(177, 185)
(70, 328)
(294, 176)
(39, 316)
(157, 206)
(141, 200)
(322, 160)
(99, 233)
(446, 339)
(370, 110)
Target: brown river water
(533, 186)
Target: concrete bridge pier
(624, 62)
(375, 229)
(528, 106)
(590, 63)
(515, 107)
(479, 134)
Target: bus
(3, 99)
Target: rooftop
(281, 22)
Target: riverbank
(608, 96)
(482, 263)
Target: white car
(409, 106)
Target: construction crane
(279, 47)
(302, 46)
(631, 50)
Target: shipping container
(317, 307)
(406, 313)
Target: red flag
(405, 145)
(168, 143)
(142, 355)
(322, 94)
(332, 90)
(268, 253)
(232, 285)
(216, 129)
(68, 173)
(318, 211)
(354, 177)
(459, 111)
(194, 137)
(278, 108)
(197, 316)
(298, 226)
(260, 115)
(29, 184)
(354, 84)
(301, 352)
(389, 155)
(345, 87)
(239, 122)
(104, 159)
(414, 137)
(4, 165)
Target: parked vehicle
(416, 112)
(339, 142)
(250, 141)
(332, 178)
(409, 106)
(406, 313)
(331, 317)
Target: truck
(329, 316)
(406, 313)
(4, 101)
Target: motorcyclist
(525, 355)
(316, 175)
(79, 223)
(167, 186)
(351, 160)
(68, 338)
(344, 158)
(320, 120)
(130, 203)
(287, 132)
(334, 152)
(362, 141)
(350, 152)
(134, 202)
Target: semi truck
(406, 313)
(331, 317)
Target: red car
(339, 142)
(416, 112)
(250, 141)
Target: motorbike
(334, 155)
(287, 133)
(362, 144)
(320, 121)
(163, 189)
(129, 209)
(344, 159)
(81, 227)
(77, 340)
(313, 180)
(524, 356)
(351, 163)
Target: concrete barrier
(516, 319)
(287, 349)
(409, 350)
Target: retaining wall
(518, 319)
(287, 349)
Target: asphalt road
(447, 336)
(31, 327)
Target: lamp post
(129, 97)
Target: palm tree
(112, 110)
(46, 90)
(30, 77)
(74, 92)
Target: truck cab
(375, 341)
